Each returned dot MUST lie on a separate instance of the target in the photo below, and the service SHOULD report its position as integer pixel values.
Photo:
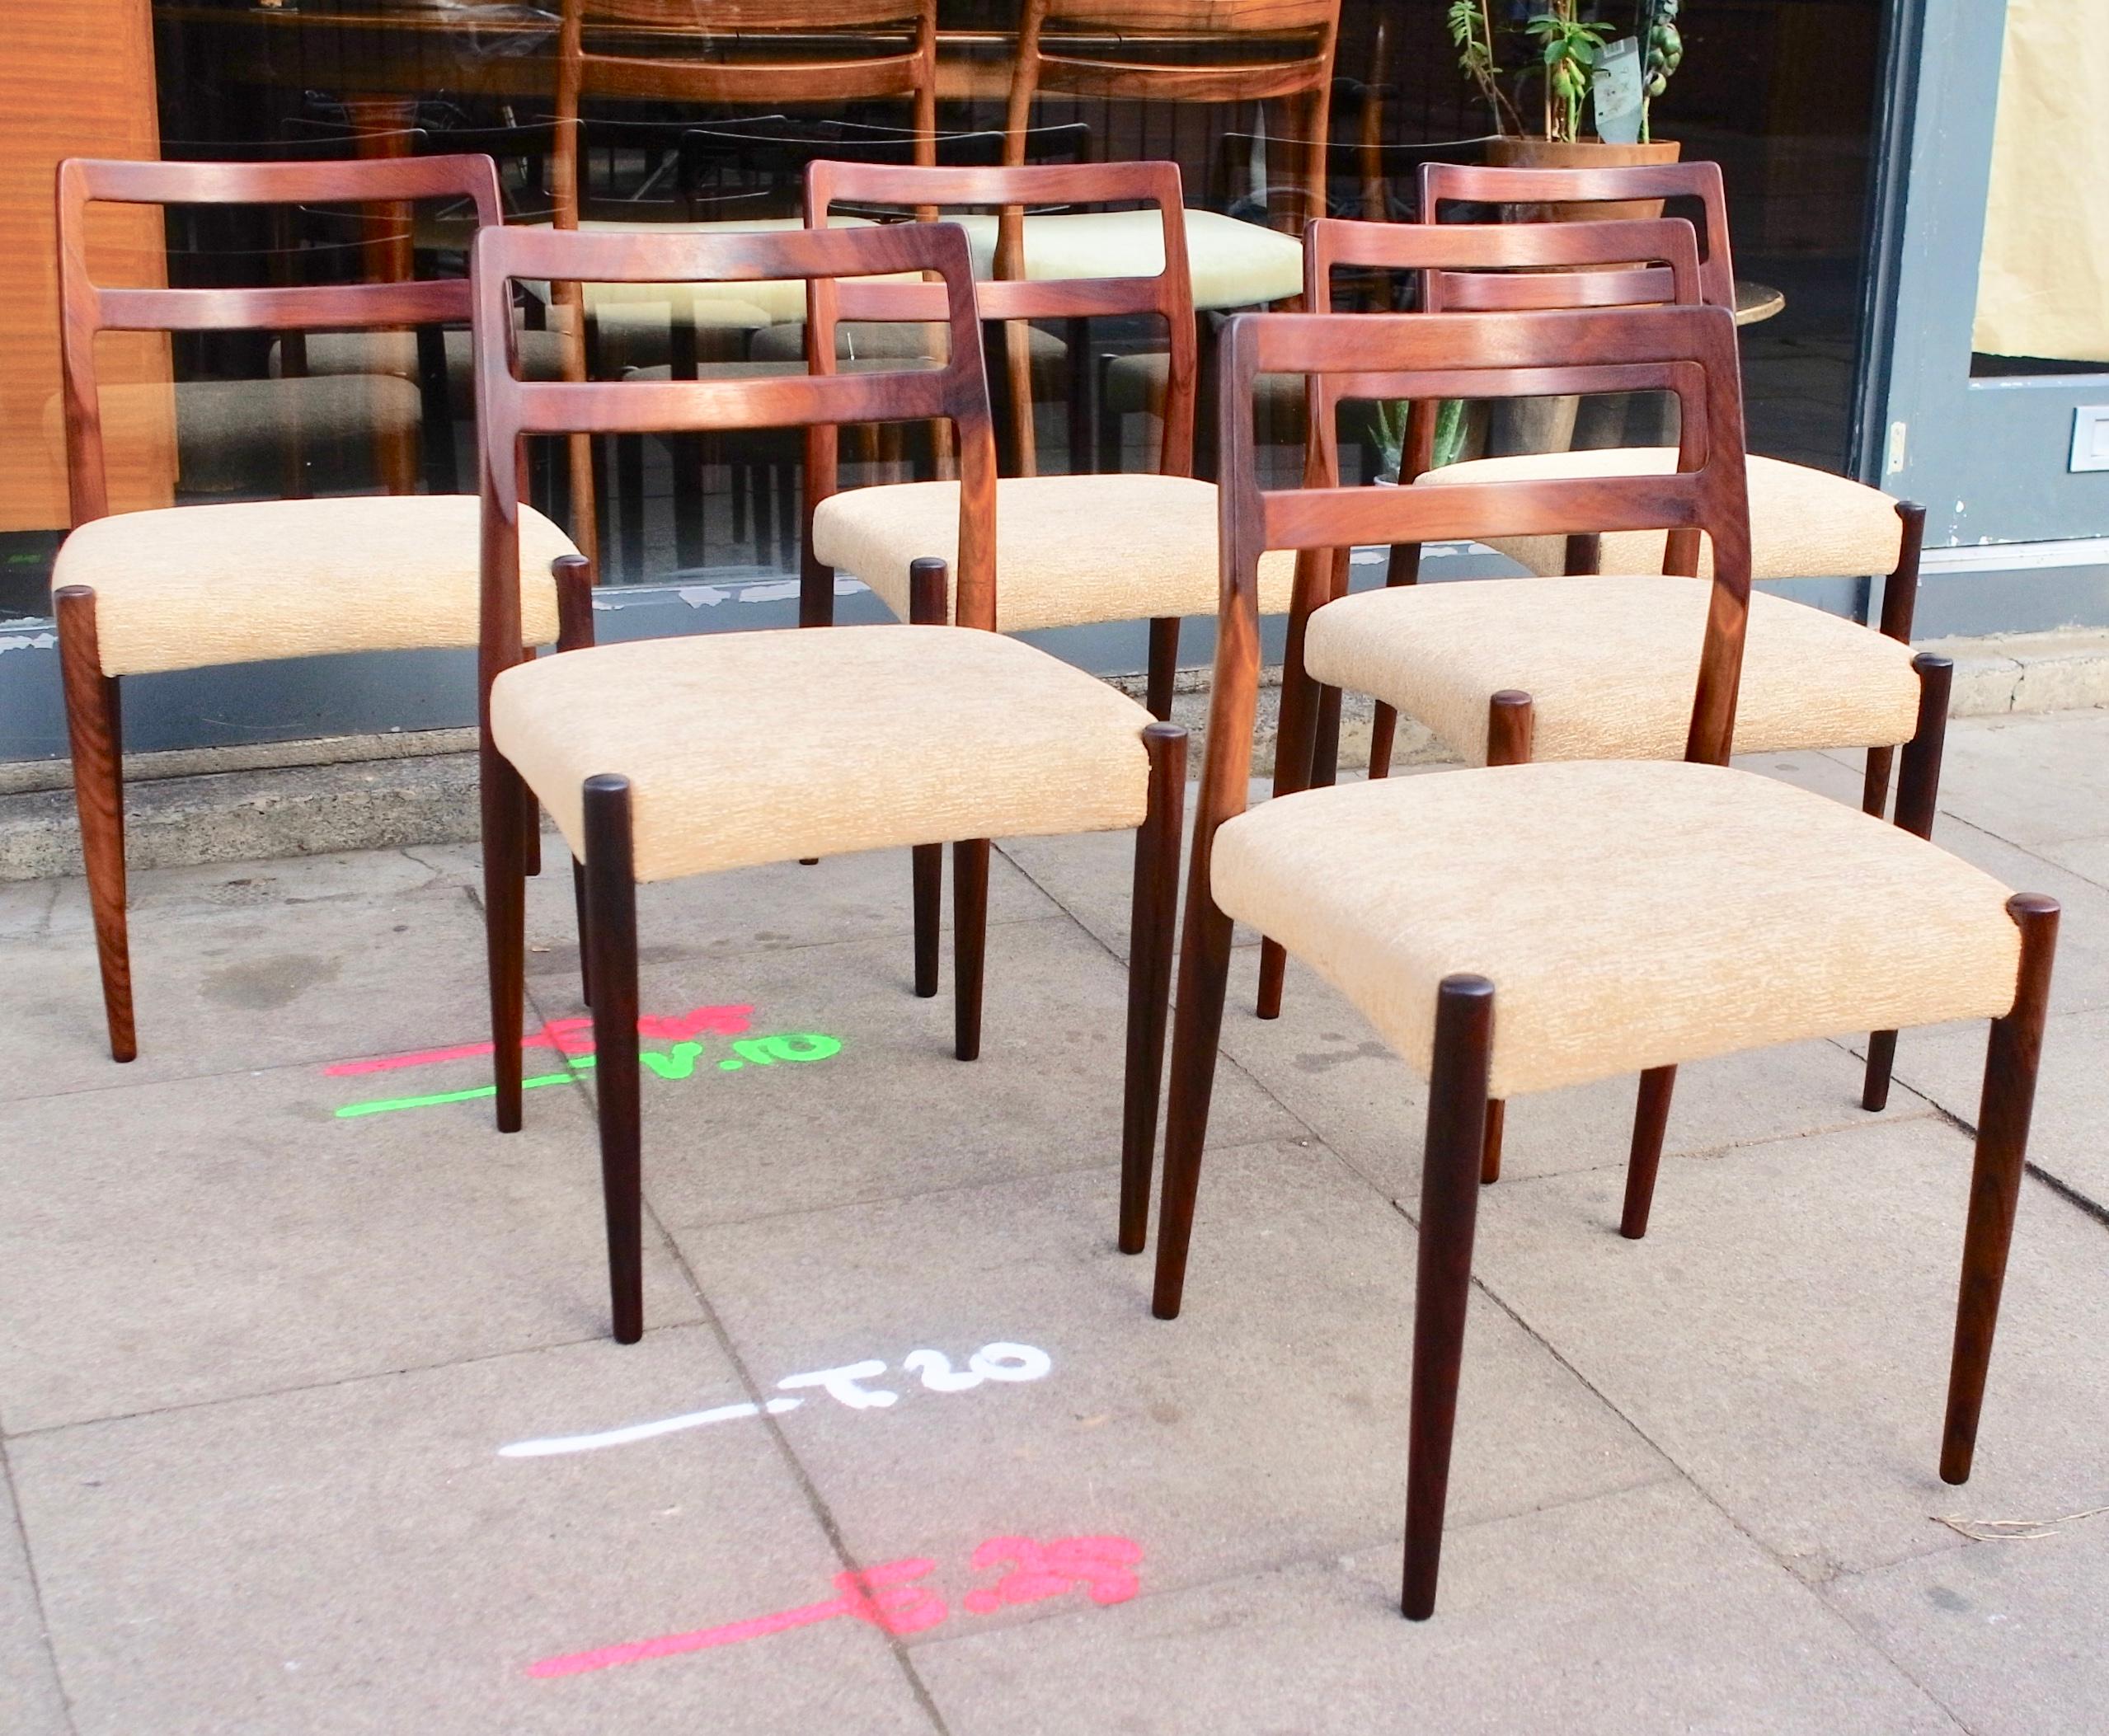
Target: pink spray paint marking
(568, 1037)
(1103, 1565)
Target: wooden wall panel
(77, 79)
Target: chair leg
(579, 906)
(1899, 603)
(1918, 796)
(1651, 1123)
(929, 604)
(95, 731)
(1512, 721)
(505, 802)
(927, 866)
(969, 942)
(2002, 1117)
(611, 924)
(1196, 1027)
(630, 500)
(1449, 1205)
(1151, 931)
(1164, 666)
(1403, 568)
(1294, 734)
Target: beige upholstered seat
(186, 587)
(541, 356)
(1609, 663)
(1068, 549)
(894, 340)
(1804, 523)
(1234, 263)
(822, 741)
(1629, 915)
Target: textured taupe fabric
(1068, 549)
(1232, 264)
(186, 587)
(748, 748)
(1804, 524)
(1610, 663)
(1629, 915)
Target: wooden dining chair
(1181, 52)
(857, 737)
(190, 587)
(1591, 671)
(1520, 927)
(1804, 523)
(751, 54)
(1069, 549)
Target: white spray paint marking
(33, 641)
(1001, 1361)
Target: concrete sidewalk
(311, 1424)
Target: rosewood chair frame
(1687, 350)
(93, 712)
(1168, 294)
(1448, 183)
(790, 78)
(956, 392)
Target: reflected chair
(825, 743)
(1520, 927)
(1503, 670)
(1069, 549)
(191, 587)
(772, 53)
(1213, 52)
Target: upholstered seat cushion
(1629, 915)
(1804, 523)
(749, 748)
(187, 587)
(1068, 549)
(1610, 663)
(1232, 262)
(896, 341)
(540, 354)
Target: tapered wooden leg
(1918, 796)
(585, 921)
(95, 731)
(1196, 1027)
(1403, 568)
(612, 925)
(1899, 603)
(1164, 666)
(2003, 1116)
(969, 942)
(1511, 720)
(505, 802)
(574, 577)
(1449, 1206)
(928, 605)
(1651, 1123)
(1152, 931)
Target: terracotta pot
(1587, 153)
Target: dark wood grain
(1449, 1208)
(970, 943)
(612, 925)
(2011, 1062)
(1899, 603)
(1651, 1126)
(1152, 928)
(94, 731)
(927, 579)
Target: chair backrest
(1490, 268)
(1452, 183)
(654, 51)
(509, 408)
(1282, 49)
(1167, 294)
(1689, 351)
(88, 307)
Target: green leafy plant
(1568, 46)
(1472, 31)
(1662, 50)
(1560, 46)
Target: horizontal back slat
(1328, 517)
(792, 401)
(356, 180)
(729, 17)
(301, 307)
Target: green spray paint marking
(678, 1063)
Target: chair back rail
(1451, 183)
(1168, 294)
(1489, 267)
(87, 308)
(509, 408)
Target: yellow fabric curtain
(2043, 278)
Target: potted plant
(1540, 58)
